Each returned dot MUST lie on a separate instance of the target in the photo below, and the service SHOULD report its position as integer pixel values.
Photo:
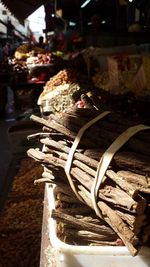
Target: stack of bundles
(108, 172)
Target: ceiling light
(85, 3)
(50, 33)
(130, 1)
(71, 23)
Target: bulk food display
(63, 90)
(119, 69)
(93, 157)
(34, 62)
(97, 159)
(21, 218)
(96, 204)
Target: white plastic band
(106, 159)
(74, 146)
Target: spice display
(63, 77)
(23, 184)
(100, 80)
(15, 248)
(25, 166)
(123, 196)
(25, 50)
(62, 91)
(119, 84)
(21, 219)
(22, 215)
(43, 59)
(17, 65)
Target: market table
(47, 258)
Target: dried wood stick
(110, 216)
(72, 221)
(130, 189)
(48, 175)
(38, 136)
(124, 160)
(113, 117)
(100, 132)
(135, 222)
(111, 121)
(88, 236)
(120, 199)
(42, 180)
(74, 211)
(105, 229)
(79, 164)
(64, 189)
(65, 198)
(112, 195)
(75, 162)
(95, 237)
(135, 178)
(92, 218)
(58, 146)
(54, 126)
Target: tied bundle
(114, 182)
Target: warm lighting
(59, 13)
(85, 3)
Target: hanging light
(71, 23)
(85, 3)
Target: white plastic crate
(91, 256)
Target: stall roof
(72, 10)
(21, 9)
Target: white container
(91, 256)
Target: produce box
(87, 256)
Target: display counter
(47, 256)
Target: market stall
(73, 201)
(66, 101)
(25, 73)
(60, 129)
(80, 194)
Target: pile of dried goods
(63, 90)
(113, 182)
(21, 219)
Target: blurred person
(60, 41)
(7, 49)
(41, 43)
(1, 53)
